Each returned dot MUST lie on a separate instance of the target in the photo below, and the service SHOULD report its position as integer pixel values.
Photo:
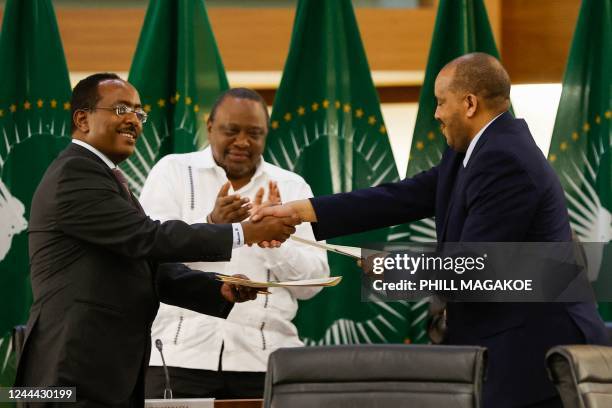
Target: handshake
(268, 223)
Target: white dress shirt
(185, 186)
(95, 151)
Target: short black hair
(240, 93)
(484, 76)
(85, 94)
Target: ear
(471, 104)
(81, 120)
(209, 125)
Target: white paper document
(353, 252)
(324, 282)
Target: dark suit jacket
(98, 275)
(507, 192)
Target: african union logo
(589, 195)
(12, 220)
(30, 136)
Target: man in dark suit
(99, 265)
(492, 185)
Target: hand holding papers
(238, 293)
(323, 282)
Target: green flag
(580, 145)
(34, 127)
(178, 72)
(461, 27)
(327, 126)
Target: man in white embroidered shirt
(224, 183)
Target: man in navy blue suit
(492, 185)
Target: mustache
(129, 128)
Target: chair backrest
(582, 375)
(386, 375)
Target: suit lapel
(451, 190)
(75, 149)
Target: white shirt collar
(472, 144)
(95, 151)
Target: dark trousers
(190, 383)
(554, 402)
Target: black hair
(482, 75)
(240, 93)
(85, 94)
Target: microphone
(167, 390)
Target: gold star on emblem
(27, 105)
(598, 119)
(275, 124)
(359, 113)
(301, 111)
(337, 104)
(563, 146)
(420, 145)
(315, 107)
(586, 127)
(1, 113)
(177, 96)
(325, 103)
(287, 117)
(431, 135)
(39, 103)
(608, 114)
(575, 136)
(53, 103)
(13, 108)
(371, 120)
(161, 103)
(187, 100)
(196, 108)
(552, 158)
(205, 117)
(66, 105)
(347, 107)
(147, 108)
(382, 129)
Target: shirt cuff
(238, 235)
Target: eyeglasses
(122, 110)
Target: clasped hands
(266, 223)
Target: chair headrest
(382, 362)
(588, 363)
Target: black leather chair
(582, 375)
(380, 376)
